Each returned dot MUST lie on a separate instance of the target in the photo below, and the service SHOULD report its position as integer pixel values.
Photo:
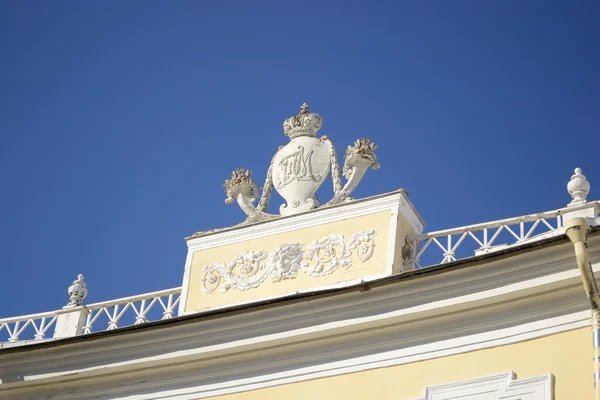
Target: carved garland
(322, 257)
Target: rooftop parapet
(306, 248)
(452, 244)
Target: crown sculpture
(299, 168)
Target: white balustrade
(435, 247)
(449, 245)
(105, 315)
(134, 310)
(27, 327)
(427, 249)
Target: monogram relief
(297, 166)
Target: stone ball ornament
(298, 169)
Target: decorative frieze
(321, 257)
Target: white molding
(134, 298)
(308, 219)
(392, 240)
(502, 386)
(181, 386)
(239, 351)
(379, 360)
(187, 271)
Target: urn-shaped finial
(77, 292)
(578, 188)
(298, 170)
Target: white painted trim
(312, 218)
(531, 295)
(392, 240)
(503, 385)
(380, 360)
(187, 271)
(394, 358)
(133, 299)
(23, 318)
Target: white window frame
(505, 387)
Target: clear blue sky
(119, 121)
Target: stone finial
(578, 188)
(298, 170)
(77, 292)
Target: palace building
(344, 299)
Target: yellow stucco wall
(568, 356)
(198, 299)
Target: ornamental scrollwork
(330, 254)
(298, 169)
(321, 257)
(245, 271)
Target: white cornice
(316, 217)
(500, 301)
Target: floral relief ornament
(322, 257)
(245, 271)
